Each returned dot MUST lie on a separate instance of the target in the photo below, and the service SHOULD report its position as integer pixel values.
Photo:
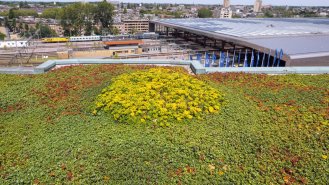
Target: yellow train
(55, 39)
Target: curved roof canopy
(298, 37)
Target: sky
(244, 2)
(233, 2)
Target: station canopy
(298, 37)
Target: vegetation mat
(270, 130)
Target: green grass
(272, 130)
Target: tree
(26, 27)
(104, 14)
(37, 25)
(20, 26)
(204, 13)
(13, 25)
(96, 31)
(88, 28)
(177, 14)
(2, 36)
(11, 13)
(133, 31)
(6, 22)
(28, 32)
(23, 4)
(72, 19)
(115, 31)
(52, 13)
(15, 13)
(78, 18)
(125, 11)
(142, 11)
(46, 31)
(268, 14)
(89, 11)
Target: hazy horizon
(233, 2)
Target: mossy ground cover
(272, 130)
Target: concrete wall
(316, 61)
(195, 66)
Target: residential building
(226, 13)
(258, 6)
(149, 16)
(194, 9)
(136, 26)
(120, 26)
(216, 13)
(226, 3)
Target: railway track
(13, 59)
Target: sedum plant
(158, 95)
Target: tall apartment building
(258, 6)
(226, 3)
(136, 26)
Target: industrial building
(303, 42)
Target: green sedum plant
(158, 95)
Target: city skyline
(233, 2)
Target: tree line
(75, 19)
(15, 13)
(82, 18)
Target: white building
(13, 44)
(226, 13)
(194, 9)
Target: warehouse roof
(298, 37)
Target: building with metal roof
(304, 41)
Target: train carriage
(85, 38)
(148, 35)
(55, 40)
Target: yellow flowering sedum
(158, 95)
